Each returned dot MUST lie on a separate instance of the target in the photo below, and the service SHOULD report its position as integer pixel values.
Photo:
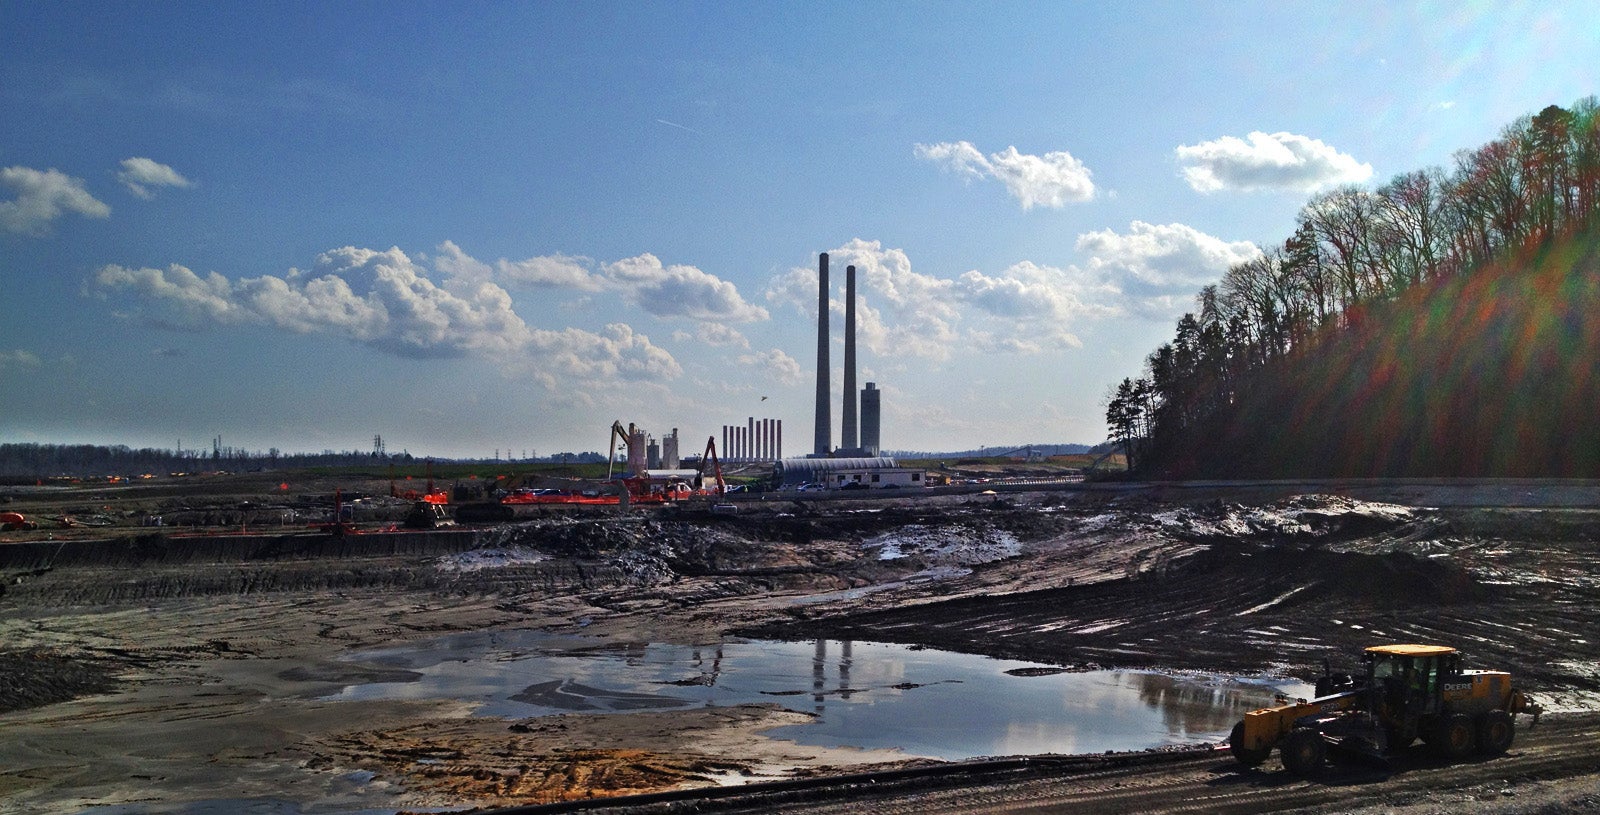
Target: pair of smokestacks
(852, 443)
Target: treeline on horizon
(1443, 323)
(997, 451)
(35, 460)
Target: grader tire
(1496, 730)
(1244, 755)
(1304, 751)
(1454, 736)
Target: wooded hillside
(1446, 323)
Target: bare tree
(1411, 224)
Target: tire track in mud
(1249, 606)
(1213, 609)
(1195, 782)
(619, 555)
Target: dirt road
(1551, 770)
(157, 671)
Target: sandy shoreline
(245, 721)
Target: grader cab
(1403, 693)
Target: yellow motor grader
(1406, 692)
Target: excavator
(1405, 692)
(709, 459)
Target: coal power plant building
(792, 472)
(857, 460)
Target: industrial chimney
(848, 440)
(824, 437)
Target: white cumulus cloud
(1158, 266)
(714, 334)
(1053, 180)
(1149, 271)
(186, 299)
(899, 310)
(777, 365)
(1038, 304)
(389, 301)
(1165, 256)
(382, 299)
(959, 157)
(1268, 161)
(617, 353)
(41, 197)
(1025, 308)
(679, 291)
(555, 271)
(140, 174)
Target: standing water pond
(925, 702)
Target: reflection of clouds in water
(924, 702)
(1028, 738)
(1198, 705)
(564, 695)
(1097, 692)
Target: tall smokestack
(849, 430)
(824, 437)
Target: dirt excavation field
(143, 671)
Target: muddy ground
(145, 667)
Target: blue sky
(500, 226)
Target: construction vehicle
(1405, 692)
(426, 514)
(430, 496)
(14, 521)
(339, 527)
(709, 458)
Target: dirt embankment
(1286, 585)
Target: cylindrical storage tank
(637, 451)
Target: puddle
(924, 702)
